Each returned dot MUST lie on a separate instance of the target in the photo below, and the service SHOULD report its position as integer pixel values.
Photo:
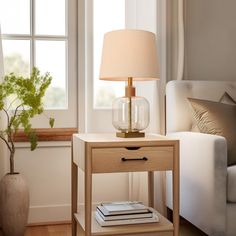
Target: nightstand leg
(151, 188)
(88, 193)
(74, 189)
(175, 179)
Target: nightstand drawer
(131, 159)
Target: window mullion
(32, 32)
(40, 37)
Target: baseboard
(48, 223)
(52, 214)
(48, 214)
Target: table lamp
(129, 55)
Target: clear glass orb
(130, 114)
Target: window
(43, 33)
(108, 15)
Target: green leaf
(33, 140)
(51, 121)
(24, 101)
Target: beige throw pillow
(226, 99)
(217, 118)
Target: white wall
(47, 171)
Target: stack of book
(123, 213)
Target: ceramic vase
(14, 204)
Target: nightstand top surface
(111, 137)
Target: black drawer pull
(134, 159)
(132, 148)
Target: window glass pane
(16, 56)
(15, 16)
(50, 17)
(108, 15)
(51, 57)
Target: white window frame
(64, 118)
(90, 119)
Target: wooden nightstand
(105, 153)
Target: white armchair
(207, 185)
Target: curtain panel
(3, 148)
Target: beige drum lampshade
(129, 53)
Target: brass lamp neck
(130, 90)
(130, 81)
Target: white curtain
(3, 148)
(180, 63)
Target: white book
(117, 208)
(102, 222)
(125, 216)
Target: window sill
(54, 134)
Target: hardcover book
(125, 216)
(117, 208)
(102, 222)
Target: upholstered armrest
(203, 172)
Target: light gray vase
(14, 204)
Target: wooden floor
(186, 229)
(51, 230)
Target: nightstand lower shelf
(162, 228)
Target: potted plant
(20, 100)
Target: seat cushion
(231, 184)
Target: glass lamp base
(130, 134)
(130, 116)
